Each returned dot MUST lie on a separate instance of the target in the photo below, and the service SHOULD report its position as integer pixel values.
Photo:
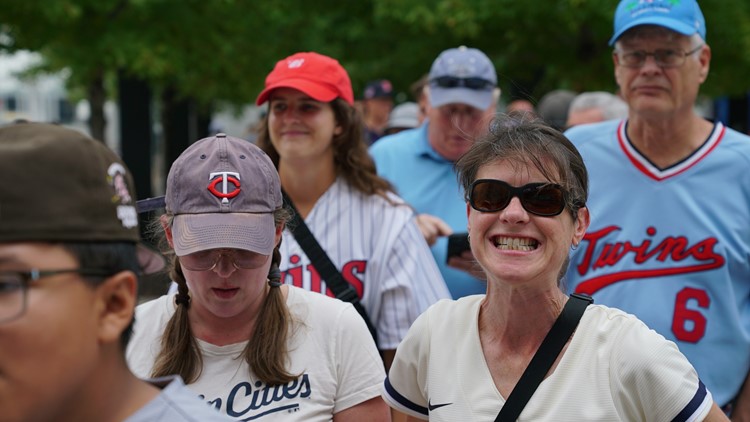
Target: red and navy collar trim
(651, 170)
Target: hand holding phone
(457, 244)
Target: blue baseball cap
(683, 16)
(462, 75)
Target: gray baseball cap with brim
(462, 76)
(222, 192)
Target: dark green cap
(58, 185)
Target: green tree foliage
(220, 50)
(538, 46)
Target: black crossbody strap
(323, 265)
(548, 351)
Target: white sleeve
(653, 381)
(405, 388)
(411, 283)
(151, 319)
(359, 367)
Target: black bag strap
(548, 351)
(323, 265)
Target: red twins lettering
(675, 249)
(353, 272)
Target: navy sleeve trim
(694, 405)
(403, 401)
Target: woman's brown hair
(522, 139)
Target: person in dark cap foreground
(69, 263)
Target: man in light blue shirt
(463, 94)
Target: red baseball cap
(321, 77)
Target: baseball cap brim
(313, 89)
(480, 99)
(666, 22)
(247, 231)
(402, 122)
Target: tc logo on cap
(225, 178)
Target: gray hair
(612, 106)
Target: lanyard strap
(323, 265)
(548, 351)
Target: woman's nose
(290, 114)
(514, 212)
(224, 266)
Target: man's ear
(164, 220)
(705, 63)
(116, 300)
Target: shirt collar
(424, 148)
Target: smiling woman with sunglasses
(526, 188)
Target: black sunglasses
(543, 199)
(454, 82)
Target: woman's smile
(514, 243)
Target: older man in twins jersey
(669, 239)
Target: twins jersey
(330, 348)
(672, 246)
(378, 249)
(614, 369)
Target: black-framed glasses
(664, 57)
(208, 260)
(14, 286)
(455, 82)
(543, 199)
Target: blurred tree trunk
(96, 97)
(176, 124)
(135, 130)
(183, 122)
(203, 118)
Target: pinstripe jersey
(434, 191)
(672, 246)
(378, 249)
(614, 369)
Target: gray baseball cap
(222, 192)
(403, 116)
(462, 75)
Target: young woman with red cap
(314, 136)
